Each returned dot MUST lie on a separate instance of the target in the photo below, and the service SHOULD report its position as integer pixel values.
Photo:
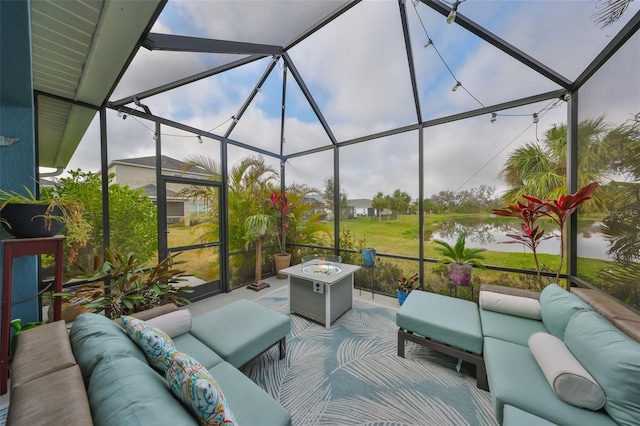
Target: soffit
(79, 51)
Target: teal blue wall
(17, 162)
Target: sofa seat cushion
(557, 306)
(444, 319)
(31, 361)
(515, 379)
(508, 327)
(248, 402)
(513, 416)
(241, 330)
(127, 391)
(94, 336)
(612, 358)
(56, 399)
(188, 344)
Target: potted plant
(405, 286)
(129, 288)
(281, 205)
(25, 216)
(460, 259)
(256, 227)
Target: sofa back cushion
(128, 392)
(174, 323)
(94, 336)
(612, 358)
(557, 306)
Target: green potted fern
(24, 215)
(460, 259)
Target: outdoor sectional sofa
(551, 357)
(96, 374)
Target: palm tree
(378, 203)
(251, 183)
(401, 201)
(539, 168)
(256, 227)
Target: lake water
(491, 235)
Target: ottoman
(242, 330)
(445, 324)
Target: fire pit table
(320, 288)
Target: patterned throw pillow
(197, 388)
(156, 345)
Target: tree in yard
(343, 209)
(401, 201)
(132, 218)
(378, 204)
(540, 169)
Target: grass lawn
(397, 237)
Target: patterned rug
(4, 409)
(351, 374)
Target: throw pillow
(566, 376)
(557, 306)
(512, 305)
(200, 392)
(174, 323)
(155, 344)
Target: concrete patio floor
(206, 305)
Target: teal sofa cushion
(612, 358)
(513, 416)
(128, 392)
(515, 379)
(557, 307)
(444, 319)
(248, 402)
(508, 327)
(94, 335)
(190, 345)
(241, 330)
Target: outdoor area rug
(4, 409)
(352, 375)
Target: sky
(356, 69)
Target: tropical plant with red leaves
(531, 234)
(280, 204)
(558, 210)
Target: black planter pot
(28, 221)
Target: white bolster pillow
(567, 377)
(512, 305)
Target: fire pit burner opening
(326, 264)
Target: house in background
(360, 207)
(319, 206)
(141, 173)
